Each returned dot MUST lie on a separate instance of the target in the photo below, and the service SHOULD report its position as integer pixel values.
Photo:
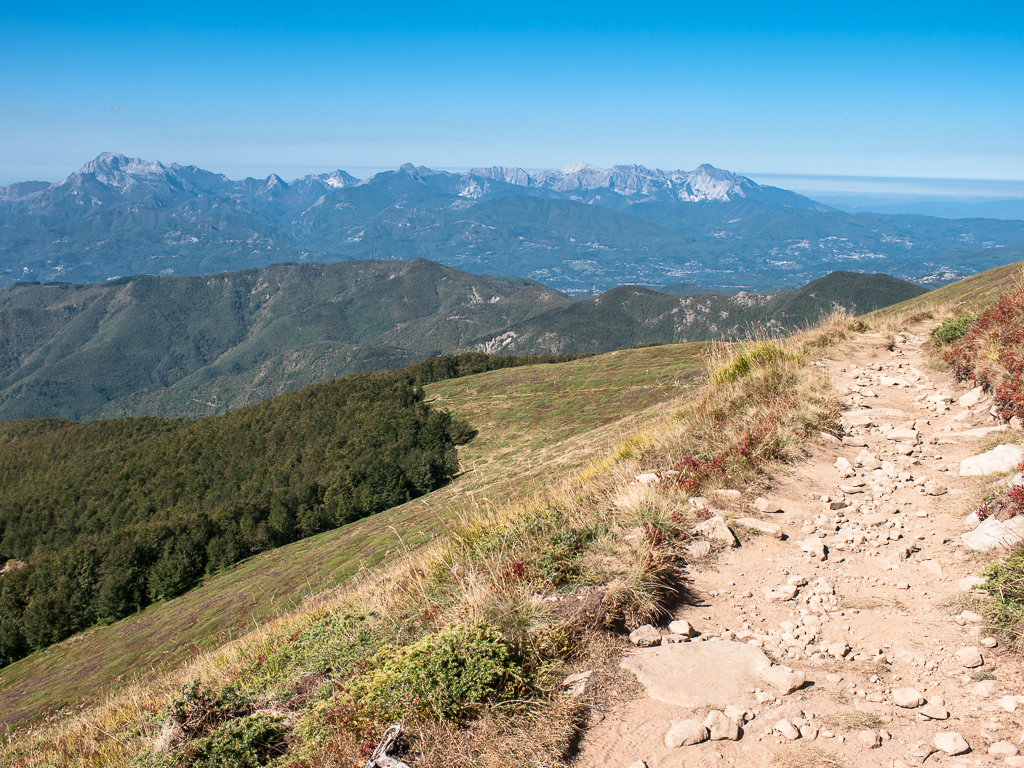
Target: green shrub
(201, 709)
(952, 330)
(758, 355)
(247, 742)
(1004, 584)
(442, 676)
(559, 563)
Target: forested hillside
(112, 515)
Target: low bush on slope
(457, 641)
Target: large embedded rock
(698, 674)
(1002, 458)
(814, 547)
(992, 534)
(716, 528)
(970, 399)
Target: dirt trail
(879, 615)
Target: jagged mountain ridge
(581, 229)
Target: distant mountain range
(197, 346)
(581, 229)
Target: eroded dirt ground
(888, 608)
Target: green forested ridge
(631, 315)
(112, 515)
(198, 346)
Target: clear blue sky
(933, 90)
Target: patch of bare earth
(883, 612)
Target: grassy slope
(963, 296)
(534, 422)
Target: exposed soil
(884, 611)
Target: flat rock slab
(992, 534)
(1002, 458)
(698, 674)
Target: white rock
(645, 637)
(951, 742)
(1009, 703)
(985, 688)
(720, 727)
(933, 712)
(972, 521)
(784, 679)
(1003, 749)
(838, 650)
(576, 685)
(970, 399)
(933, 488)
(761, 504)
(967, 583)
(993, 534)
(681, 627)
(1002, 458)
(715, 528)
(870, 739)
(970, 657)
(907, 698)
(685, 733)
(698, 549)
(787, 729)
(815, 547)
(841, 464)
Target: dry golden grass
(851, 720)
(805, 756)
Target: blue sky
(909, 90)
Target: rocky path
(835, 633)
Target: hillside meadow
(519, 446)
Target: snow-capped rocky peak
(338, 179)
(706, 183)
(118, 171)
